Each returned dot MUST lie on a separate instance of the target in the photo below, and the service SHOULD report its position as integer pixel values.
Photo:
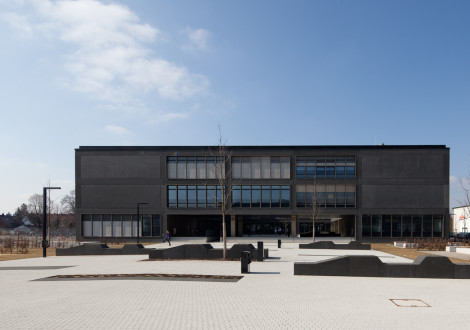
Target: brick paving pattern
(270, 297)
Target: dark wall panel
(120, 167)
(403, 166)
(404, 196)
(118, 196)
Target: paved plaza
(270, 297)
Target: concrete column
(233, 228)
(358, 227)
(293, 225)
(240, 226)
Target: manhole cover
(409, 303)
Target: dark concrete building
(367, 192)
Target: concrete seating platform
(102, 249)
(204, 251)
(330, 245)
(372, 266)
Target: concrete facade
(393, 188)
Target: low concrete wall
(204, 251)
(372, 266)
(102, 249)
(330, 245)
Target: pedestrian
(275, 230)
(167, 237)
(287, 231)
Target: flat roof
(253, 147)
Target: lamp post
(138, 220)
(44, 216)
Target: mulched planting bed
(168, 277)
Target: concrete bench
(372, 266)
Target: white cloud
(118, 130)
(198, 38)
(109, 55)
(453, 179)
(19, 23)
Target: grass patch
(32, 253)
(408, 253)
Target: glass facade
(120, 225)
(261, 196)
(195, 167)
(182, 196)
(326, 195)
(330, 167)
(260, 167)
(397, 225)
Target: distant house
(22, 230)
(461, 219)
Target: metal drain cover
(409, 303)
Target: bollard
(260, 251)
(279, 243)
(245, 262)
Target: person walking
(167, 237)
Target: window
(265, 167)
(236, 196)
(437, 226)
(366, 227)
(201, 167)
(191, 167)
(126, 225)
(210, 162)
(427, 225)
(417, 225)
(246, 196)
(266, 196)
(329, 167)
(396, 225)
(182, 198)
(376, 225)
(406, 225)
(255, 167)
(386, 225)
(181, 168)
(255, 196)
(171, 162)
(246, 168)
(201, 196)
(260, 167)
(191, 196)
(211, 196)
(285, 168)
(275, 167)
(285, 196)
(261, 196)
(275, 196)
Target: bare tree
(465, 202)
(313, 203)
(68, 203)
(223, 173)
(35, 207)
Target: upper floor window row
(201, 167)
(330, 167)
(261, 167)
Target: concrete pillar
(233, 228)
(293, 225)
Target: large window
(183, 196)
(326, 195)
(260, 168)
(120, 225)
(261, 196)
(396, 225)
(329, 167)
(195, 167)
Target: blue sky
(77, 73)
